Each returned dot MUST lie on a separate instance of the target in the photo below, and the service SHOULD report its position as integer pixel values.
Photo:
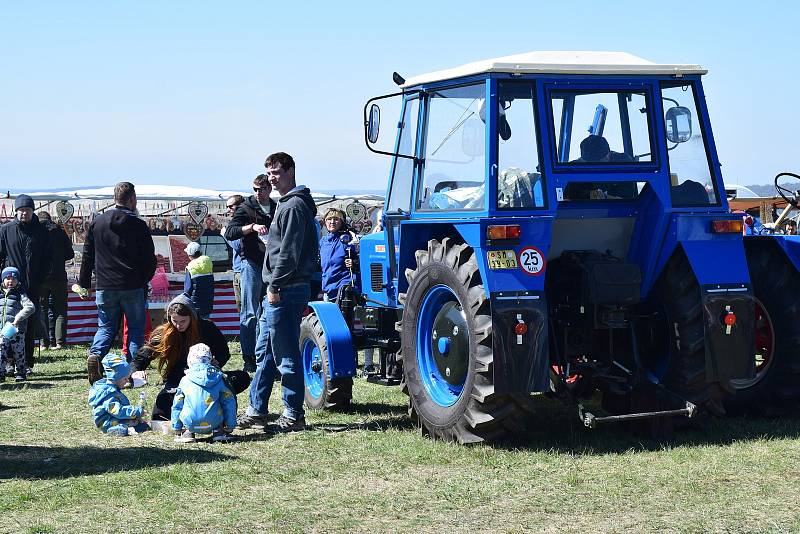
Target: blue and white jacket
(203, 401)
(110, 407)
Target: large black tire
(447, 278)
(678, 293)
(321, 393)
(776, 283)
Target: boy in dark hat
(15, 308)
(24, 244)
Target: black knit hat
(23, 201)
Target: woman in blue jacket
(337, 252)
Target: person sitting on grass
(203, 402)
(169, 347)
(16, 308)
(111, 410)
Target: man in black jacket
(24, 245)
(120, 251)
(291, 258)
(250, 223)
(55, 285)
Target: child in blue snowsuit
(204, 404)
(111, 410)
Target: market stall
(175, 215)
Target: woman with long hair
(169, 346)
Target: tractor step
(591, 421)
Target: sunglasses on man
(258, 189)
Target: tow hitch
(591, 421)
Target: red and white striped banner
(82, 314)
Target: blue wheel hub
(442, 345)
(312, 368)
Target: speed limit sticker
(531, 260)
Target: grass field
(370, 470)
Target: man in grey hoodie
(289, 262)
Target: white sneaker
(186, 437)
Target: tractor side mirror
(678, 123)
(472, 138)
(374, 124)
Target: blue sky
(198, 93)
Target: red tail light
(730, 319)
(520, 329)
(503, 231)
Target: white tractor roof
(559, 63)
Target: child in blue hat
(15, 308)
(111, 410)
(204, 404)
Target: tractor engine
(592, 297)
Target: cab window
(519, 180)
(600, 127)
(455, 160)
(689, 168)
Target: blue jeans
(111, 304)
(279, 341)
(251, 288)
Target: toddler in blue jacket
(111, 410)
(204, 404)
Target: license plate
(502, 259)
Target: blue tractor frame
(513, 331)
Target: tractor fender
(341, 357)
(789, 244)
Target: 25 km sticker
(531, 260)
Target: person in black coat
(55, 284)
(120, 251)
(24, 244)
(250, 223)
(169, 346)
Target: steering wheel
(793, 197)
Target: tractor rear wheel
(681, 364)
(446, 350)
(321, 392)
(775, 389)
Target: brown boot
(94, 368)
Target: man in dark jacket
(55, 285)
(24, 245)
(289, 263)
(250, 223)
(120, 251)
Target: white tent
(158, 200)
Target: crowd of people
(278, 251)
(280, 262)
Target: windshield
(595, 127)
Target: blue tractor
(555, 222)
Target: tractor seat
(690, 193)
